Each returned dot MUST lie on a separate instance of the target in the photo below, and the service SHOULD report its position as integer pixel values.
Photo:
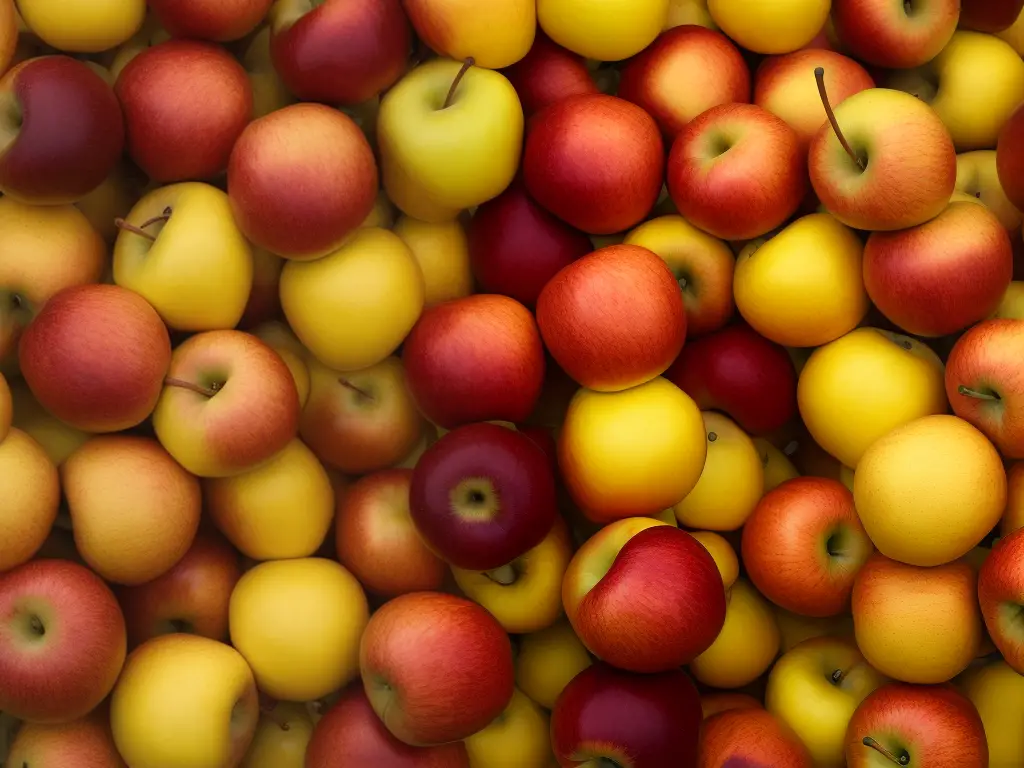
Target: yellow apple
(111, 200)
(747, 644)
(777, 466)
(682, 12)
(383, 213)
(519, 738)
(496, 34)
(186, 256)
(439, 157)
(298, 623)
(269, 92)
(794, 628)
(184, 701)
(723, 553)
(977, 178)
(1012, 305)
(781, 26)
(30, 498)
(606, 30)
(83, 26)
(281, 737)
(865, 384)
(804, 286)
(998, 694)
(353, 307)
(442, 252)
(58, 440)
(547, 660)
(731, 483)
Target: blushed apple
(1000, 593)
(895, 36)
(210, 19)
(749, 736)
(1010, 158)
(548, 73)
(977, 175)
(85, 742)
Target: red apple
(707, 61)
(478, 358)
(895, 35)
(916, 725)
(61, 130)
(605, 714)
(804, 544)
(943, 275)
(172, 94)
(351, 728)
(1001, 595)
(750, 738)
(741, 373)
(561, 174)
(516, 246)
(62, 641)
(990, 16)
(1010, 159)
(737, 171)
(95, 357)
(219, 20)
(436, 668)
(339, 51)
(301, 179)
(604, 335)
(548, 73)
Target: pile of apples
(511, 383)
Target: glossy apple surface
(750, 737)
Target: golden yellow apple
(780, 26)
(519, 738)
(30, 498)
(58, 439)
(794, 628)
(723, 553)
(281, 737)
(83, 26)
(777, 466)
(682, 12)
(1012, 305)
(998, 694)
(442, 252)
(547, 660)
(611, 31)
(976, 177)
(496, 34)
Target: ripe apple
(279, 337)
(1000, 593)
(518, 738)
(210, 19)
(85, 742)
(62, 644)
(1010, 158)
(778, 27)
(547, 660)
(88, 26)
(895, 36)
(606, 713)
(621, 29)
(31, 497)
(751, 737)
(442, 251)
(711, 65)
(282, 737)
(494, 35)
(997, 692)
(977, 175)
(548, 73)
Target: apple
(1000, 592)
(598, 198)
(32, 495)
(895, 36)
(63, 641)
(605, 714)
(442, 251)
(9, 33)
(713, 703)
(203, 688)
(990, 16)
(279, 337)
(916, 725)
(622, 29)
(282, 737)
(518, 738)
(711, 65)
(85, 742)
(61, 130)
(478, 358)
(1010, 158)
(55, 437)
(721, 551)
(210, 19)
(548, 73)
(547, 660)
(996, 691)
(333, 180)
(494, 35)
(82, 27)
(751, 737)
(778, 27)
(977, 176)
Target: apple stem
(124, 225)
(819, 75)
(967, 392)
(869, 742)
(170, 381)
(505, 575)
(349, 385)
(469, 62)
(165, 216)
(837, 676)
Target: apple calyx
(903, 759)
(358, 390)
(504, 575)
(210, 391)
(819, 75)
(140, 230)
(712, 437)
(267, 711)
(469, 62)
(968, 392)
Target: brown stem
(122, 224)
(349, 385)
(869, 742)
(967, 392)
(155, 220)
(458, 79)
(839, 675)
(170, 381)
(819, 75)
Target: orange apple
(31, 498)
(750, 736)
(85, 743)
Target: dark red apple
(989, 15)
(548, 73)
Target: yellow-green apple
(263, 305)
(997, 692)
(442, 251)
(934, 726)
(751, 737)
(362, 420)
(918, 625)
(95, 357)
(516, 246)
(191, 597)
(885, 160)
(61, 130)
(82, 26)
(977, 175)
(883, 380)
(436, 668)
(62, 641)
(86, 742)
(57, 439)
(298, 623)
(282, 737)
(990, 16)
(929, 491)
(548, 73)
(199, 284)
(895, 35)
(591, 333)
(604, 198)
(280, 509)
(621, 29)
(1010, 157)
(634, 452)
(702, 264)
(472, 122)
(214, 20)
(494, 35)
(9, 33)
(609, 600)
(520, 737)
(708, 61)
(607, 716)
(200, 687)
(783, 87)
(356, 305)
(269, 93)
(547, 660)
(777, 465)
(524, 595)
(804, 544)
(907, 273)
(709, 188)
(1001, 593)
(178, 90)
(719, 701)
(216, 381)
(333, 180)
(31, 497)
(721, 551)
(377, 540)
(772, 28)
(815, 689)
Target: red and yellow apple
(31, 497)
(893, 35)
(750, 736)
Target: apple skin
(221, 21)
(548, 73)
(1010, 158)
(516, 246)
(341, 51)
(483, 495)
(1000, 593)
(912, 275)
(598, 198)
(884, 34)
(991, 16)
(934, 725)
(741, 373)
(78, 655)
(750, 737)
(478, 358)
(84, 743)
(737, 171)
(436, 668)
(178, 90)
(592, 333)
(639, 721)
(10, 41)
